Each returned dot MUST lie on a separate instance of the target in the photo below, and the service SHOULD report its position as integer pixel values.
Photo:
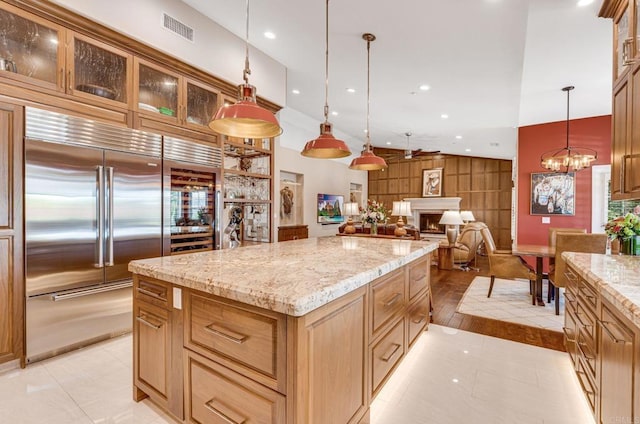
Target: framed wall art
(553, 193)
(432, 182)
(330, 207)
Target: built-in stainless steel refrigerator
(93, 203)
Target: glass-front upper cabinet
(31, 49)
(157, 92)
(167, 96)
(201, 103)
(98, 71)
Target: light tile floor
(450, 376)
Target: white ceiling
(492, 65)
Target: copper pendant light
(368, 161)
(569, 158)
(326, 146)
(245, 119)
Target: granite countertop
(293, 277)
(617, 278)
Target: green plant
(623, 227)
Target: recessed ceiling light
(582, 3)
(425, 87)
(444, 116)
(351, 90)
(467, 150)
(295, 91)
(334, 113)
(270, 35)
(388, 143)
(455, 380)
(459, 137)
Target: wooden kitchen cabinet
(157, 345)
(11, 234)
(619, 361)
(168, 96)
(293, 232)
(242, 363)
(625, 149)
(604, 347)
(33, 48)
(97, 72)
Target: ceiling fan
(408, 153)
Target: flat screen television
(330, 208)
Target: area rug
(510, 301)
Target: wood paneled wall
(484, 185)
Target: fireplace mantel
(430, 204)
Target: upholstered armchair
(464, 251)
(571, 242)
(552, 243)
(503, 264)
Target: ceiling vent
(174, 25)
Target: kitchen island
(304, 331)
(602, 332)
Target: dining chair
(552, 243)
(503, 264)
(571, 242)
(466, 247)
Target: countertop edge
(283, 303)
(606, 279)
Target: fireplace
(427, 211)
(429, 223)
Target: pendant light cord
(368, 88)
(326, 64)
(568, 90)
(247, 70)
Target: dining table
(540, 252)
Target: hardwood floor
(447, 290)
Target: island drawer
(418, 317)
(216, 394)
(387, 300)
(243, 337)
(385, 355)
(418, 278)
(152, 291)
(587, 295)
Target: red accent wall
(533, 140)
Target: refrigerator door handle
(56, 297)
(100, 215)
(110, 215)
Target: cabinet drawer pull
(569, 297)
(568, 335)
(589, 356)
(610, 333)
(393, 300)
(70, 82)
(155, 295)
(584, 386)
(571, 276)
(586, 292)
(227, 415)
(143, 319)
(226, 333)
(387, 356)
(420, 320)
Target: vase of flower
(626, 246)
(374, 228)
(372, 214)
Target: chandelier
(568, 158)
